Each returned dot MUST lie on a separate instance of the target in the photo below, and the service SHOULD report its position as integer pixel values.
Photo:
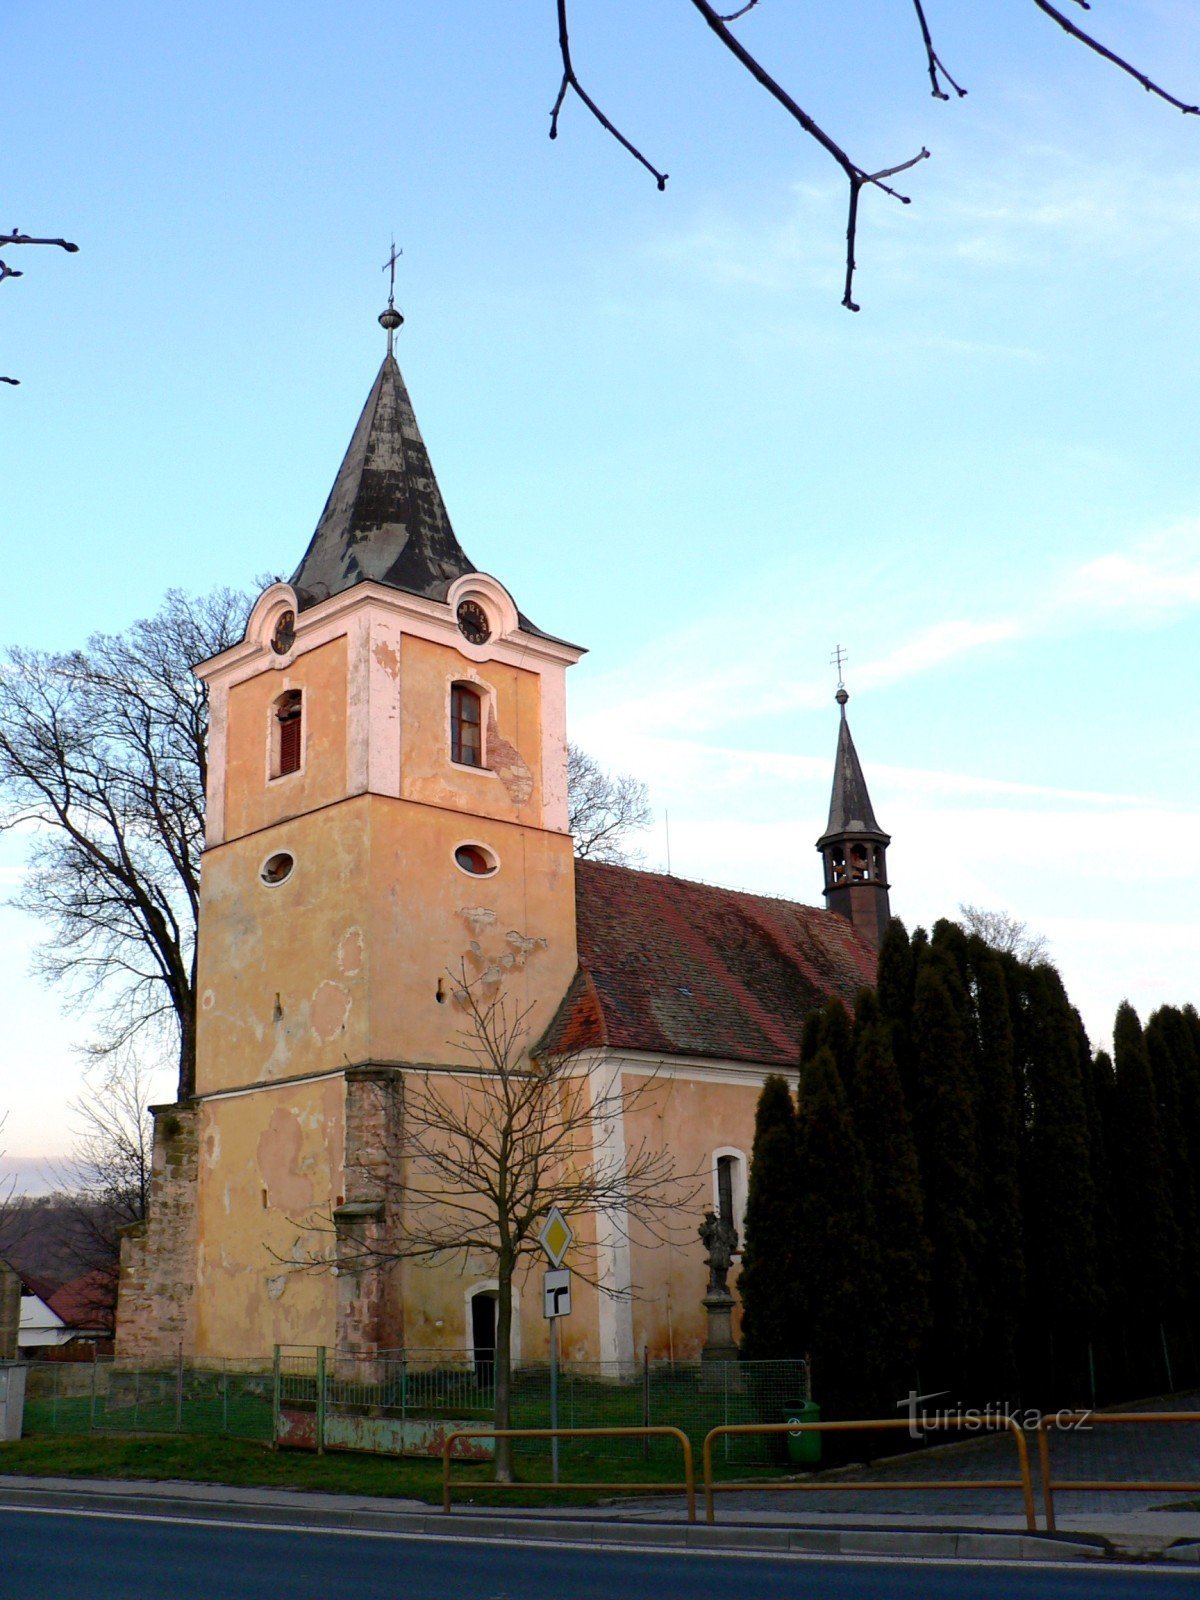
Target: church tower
(854, 846)
(386, 820)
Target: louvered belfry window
(289, 715)
(466, 726)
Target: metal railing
(1024, 1482)
(1087, 1420)
(689, 1472)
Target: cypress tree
(829, 1028)
(944, 1124)
(767, 1280)
(895, 977)
(1146, 1253)
(884, 1129)
(997, 1112)
(838, 1276)
(1059, 1197)
(1172, 1069)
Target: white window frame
(741, 1170)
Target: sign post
(555, 1239)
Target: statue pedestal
(719, 1357)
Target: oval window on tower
(277, 868)
(476, 860)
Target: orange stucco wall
(282, 970)
(252, 798)
(269, 1163)
(690, 1117)
(510, 784)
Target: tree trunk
(504, 1274)
(187, 1049)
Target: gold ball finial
(390, 319)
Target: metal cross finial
(389, 266)
(836, 659)
(391, 318)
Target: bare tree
(476, 1155)
(604, 809)
(102, 760)
(104, 1185)
(17, 237)
(858, 177)
(1003, 932)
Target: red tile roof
(679, 968)
(87, 1302)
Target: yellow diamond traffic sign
(556, 1236)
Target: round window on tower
(476, 860)
(277, 868)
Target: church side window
(466, 726)
(287, 732)
(729, 1187)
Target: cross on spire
(836, 660)
(391, 318)
(389, 266)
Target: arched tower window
(286, 733)
(466, 725)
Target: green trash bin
(804, 1449)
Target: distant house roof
(39, 1327)
(678, 968)
(86, 1304)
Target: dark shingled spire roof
(385, 520)
(850, 805)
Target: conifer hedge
(964, 1196)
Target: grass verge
(242, 1463)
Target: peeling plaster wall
(430, 920)
(510, 786)
(269, 1163)
(283, 969)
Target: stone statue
(720, 1239)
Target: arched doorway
(483, 1336)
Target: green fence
(216, 1397)
(402, 1401)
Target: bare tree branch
(17, 237)
(603, 809)
(935, 63)
(103, 762)
(1004, 932)
(1135, 73)
(857, 177)
(570, 81)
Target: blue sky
(650, 416)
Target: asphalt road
(65, 1556)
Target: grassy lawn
(245, 1464)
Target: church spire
(385, 520)
(854, 846)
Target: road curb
(956, 1544)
